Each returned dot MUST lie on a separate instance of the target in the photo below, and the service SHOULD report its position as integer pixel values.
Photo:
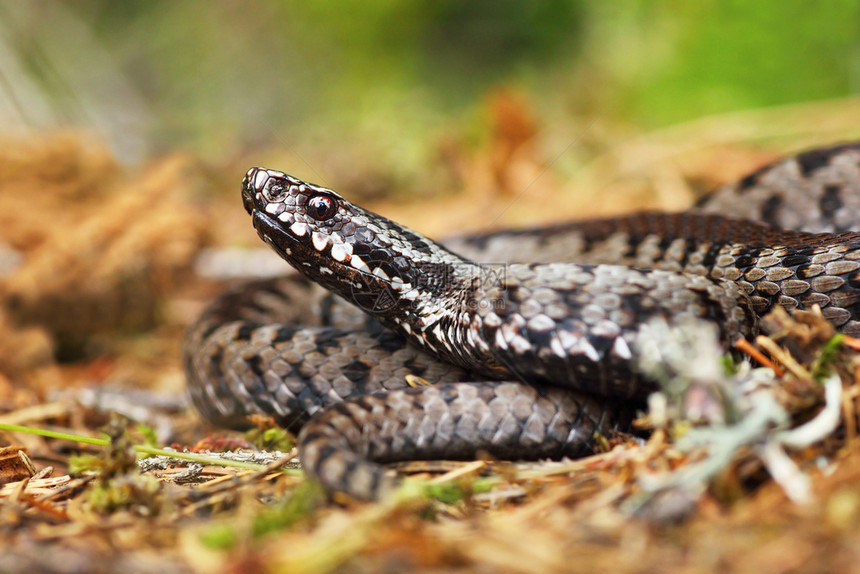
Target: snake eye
(321, 207)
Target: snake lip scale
(530, 359)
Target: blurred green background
(379, 86)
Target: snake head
(305, 224)
(375, 263)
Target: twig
(762, 359)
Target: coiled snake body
(549, 342)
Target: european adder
(529, 358)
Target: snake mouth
(272, 233)
(248, 202)
(283, 238)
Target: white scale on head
(320, 240)
(262, 176)
(341, 251)
(358, 263)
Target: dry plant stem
(36, 485)
(36, 413)
(140, 449)
(211, 494)
(849, 408)
(783, 357)
(851, 342)
(464, 470)
(69, 489)
(762, 359)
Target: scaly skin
(561, 334)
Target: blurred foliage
(382, 81)
(712, 56)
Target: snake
(523, 342)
